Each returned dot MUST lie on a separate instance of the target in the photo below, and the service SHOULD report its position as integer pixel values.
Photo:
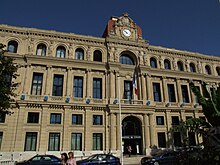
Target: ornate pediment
(123, 27)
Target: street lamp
(120, 125)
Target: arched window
(12, 46)
(61, 52)
(180, 66)
(207, 69)
(79, 54)
(153, 62)
(218, 70)
(192, 67)
(41, 50)
(167, 64)
(126, 59)
(97, 56)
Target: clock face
(126, 32)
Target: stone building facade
(75, 92)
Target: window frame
(76, 143)
(33, 141)
(33, 117)
(79, 54)
(97, 88)
(55, 118)
(171, 93)
(78, 86)
(36, 87)
(185, 94)
(13, 44)
(160, 120)
(58, 88)
(97, 120)
(79, 119)
(41, 49)
(157, 92)
(126, 59)
(97, 141)
(61, 52)
(54, 141)
(97, 56)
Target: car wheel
(156, 163)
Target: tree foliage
(7, 86)
(210, 101)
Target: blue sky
(191, 25)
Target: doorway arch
(132, 134)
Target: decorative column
(143, 87)
(88, 83)
(151, 129)
(146, 131)
(27, 81)
(69, 85)
(179, 91)
(117, 78)
(112, 86)
(113, 134)
(118, 129)
(48, 83)
(165, 91)
(168, 126)
(149, 88)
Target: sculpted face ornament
(126, 32)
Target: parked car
(168, 157)
(101, 159)
(41, 160)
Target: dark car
(41, 160)
(169, 158)
(101, 159)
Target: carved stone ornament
(124, 20)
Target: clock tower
(123, 28)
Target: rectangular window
(97, 88)
(58, 85)
(30, 141)
(55, 118)
(192, 139)
(171, 93)
(160, 120)
(97, 119)
(2, 117)
(8, 80)
(161, 139)
(78, 87)
(177, 139)
(175, 120)
(185, 94)
(76, 141)
(77, 119)
(33, 117)
(97, 141)
(202, 118)
(188, 117)
(156, 92)
(128, 90)
(54, 142)
(37, 83)
(1, 137)
(196, 97)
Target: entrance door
(131, 135)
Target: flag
(135, 84)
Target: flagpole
(120, 125)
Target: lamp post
(120, 125)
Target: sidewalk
(133, 160)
